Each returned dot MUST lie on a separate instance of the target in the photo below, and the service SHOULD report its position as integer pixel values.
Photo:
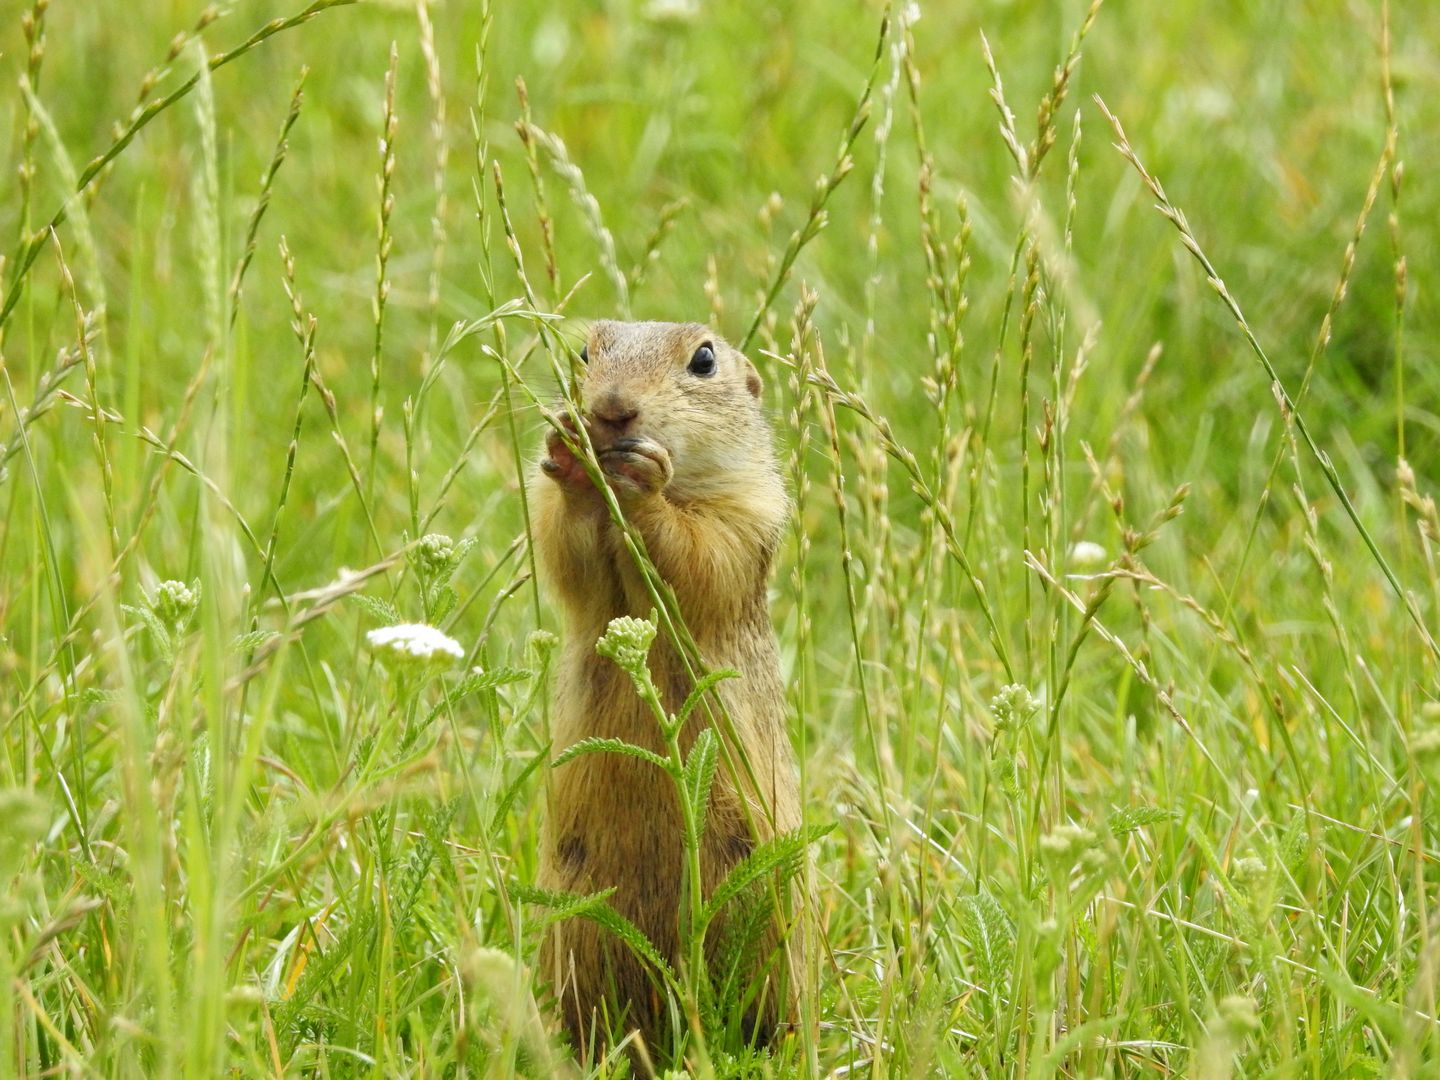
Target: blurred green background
(1264, 121)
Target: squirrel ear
(752, 380)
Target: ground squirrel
(675, 418)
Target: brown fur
(702, 487)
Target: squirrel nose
(615, 409)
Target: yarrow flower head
(414, 646)
(627, 641)
(1425, 743)
(1086, 554)
(1238, 1015)
(435, 557)
(1013, 707)
(1065, 844)
(174, 603)
(435, 552)
(672, 11)
(542, 642)
(1248, 870)
(25, 817)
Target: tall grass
(1108, 614)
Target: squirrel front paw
(560, 463)
(637, 466)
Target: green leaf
(95, 695)
(991, 938)
(382, 611)
(445, 600)
(252, 640)
(699, 775)
(488, 680)
(568, 905)
(476, 682)
(154, 625)
(780, 854)
(502, 809)
(560, 903)
(423, 857)
(599, 745)
(111, 884)
(1129, 818)
(702, 686)
(1295, 845)
(738, 964)
(326, 965)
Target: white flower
(1066, 843)
(672, 11)
(1425, 744)
(414, 644)
(1086, 553)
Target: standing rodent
(675, 419)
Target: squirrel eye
(703, 362)
(585, 354)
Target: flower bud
(174, 603)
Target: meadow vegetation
(1101, 343)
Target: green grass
(1199, 840)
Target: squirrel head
(683, 386)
